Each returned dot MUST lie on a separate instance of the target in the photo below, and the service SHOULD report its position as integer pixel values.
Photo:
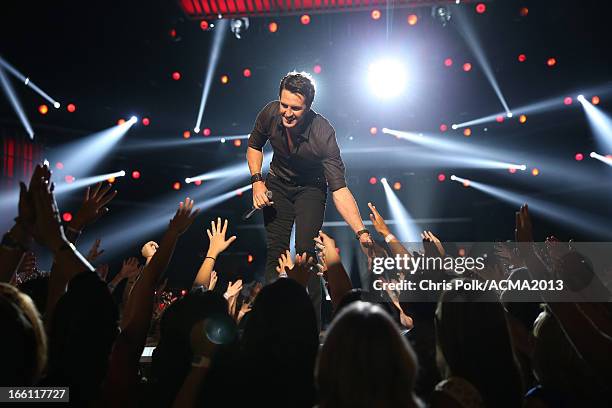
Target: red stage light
(375, 14)
(499, 118)
(197, 182)
(206, 132)
(535, 172)
(305, 19)
(413, 19)
(567, 100)
(512, 170)
(273, 27)
(135, 174)
(373, 130)
(246, 72)
(67, 217)
(467, 132)
(186, 134)
(224, 79)
(551, 62)
(579, 156)
(146, 121)
(373, 180)
(250, 258)
(43, 109)
(71, 107)
(121, 121)
(59, 165)
(397, 185)
(522, 58)
(237, 142)
(441, 177)
(317, 69)
(204, 25)
(172, 33)
(443, 127)
(595, 100)
(466, 183)
(183, 292)
(524, 11)
(481, 8)
(523, 118)
(467, 67)
(176, 75)
(176, 185)
(69, 179)
(448, 62)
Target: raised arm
(218, 244)
(381, 227)
(337, 278)
(93, 207)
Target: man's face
(292, 108)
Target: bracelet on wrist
(256, 177)
(360, 232)
(210, 257)
(389, 237)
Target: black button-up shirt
(315, 155)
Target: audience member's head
(474, 343)
(23, 343)
(365, 362)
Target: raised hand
(378, 221)
(244, 309)
(184, 217)
(233, 289)
(328, 248)
(524, 229)
(102, 271)
(216, 235)
(94, 205)
(48, 229)
(94, 251)
(213, 280)
(284, 261)
(428, 236)
(130, 268)
(301, 270)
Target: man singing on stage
(306, 162)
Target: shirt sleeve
(333, 166)
(261, 130)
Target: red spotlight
(186, 134)
(146, 121)
(176, 75)
(373, 130)
(567, 100)
(183, 292)
(524, 11)
(273, 27)
(224, 79)
(397, 185)
(512, 170)
(467, 67)
(121, 121)
(481, 8)
(197, 182)
(595, 100)
(206, 132)
(466, 183)
(499, 118)
(59, 165)
(204, 25)
(250, 258)
(551, 62)
(71, 107)
(443, 127)
(522, 58)
(246, 72)
(237, 142)
(172, 33)
(441, 177)
(316, 69)
(67, 217)
(305, 19)
(375, 14)
(176, 185)
(135, 174)
(69, 179)
(579, 156)
(43, 109)
(467, 132)
(413, 19)
(535, 172)
(373, 180)
(448, 62)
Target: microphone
(253, 210)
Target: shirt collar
(305, 129)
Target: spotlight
(273, 27)
(305, 19)
(375, 14)
(523, 118)
(524, 11)
(467, 67)
(71, 107)
(499, 118)
(317, 69)
(176, 185)
(176, 75)
(453, 177)
(146, 121)
(222, 140)
(580, 98)
(43, 109)
(467, 132)
(373, 130)
(121, 173)
(67, 217)
(196, 129)
(579, 157)
(481, 8)
(373, 180)
(120, 122)
(246, 73)
(383, 180)
(397, 185)
(206, 26)
(224, 79)
(522, 58)
(250, 258)
(568, 100)
(509, 114)
(454, 126)
(412, 19)
(387, 78)
(188, 180)
(595, 100)
(56, 105)
(238, 26)
(551, 62)
(441, 177)
(186, 134)
(69, 179)
(237, 142)
(206, 132)
(441, 14)
(133, 119)
(448, 62)
(443, 127)
(59, 165)
(535, 172)
(135, 174)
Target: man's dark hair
(300, 83)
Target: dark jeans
(304, 205)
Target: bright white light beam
(600, 123)
(64, 187)
(407, 230)
(12, 97)
(601, 158)
(28, 82)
